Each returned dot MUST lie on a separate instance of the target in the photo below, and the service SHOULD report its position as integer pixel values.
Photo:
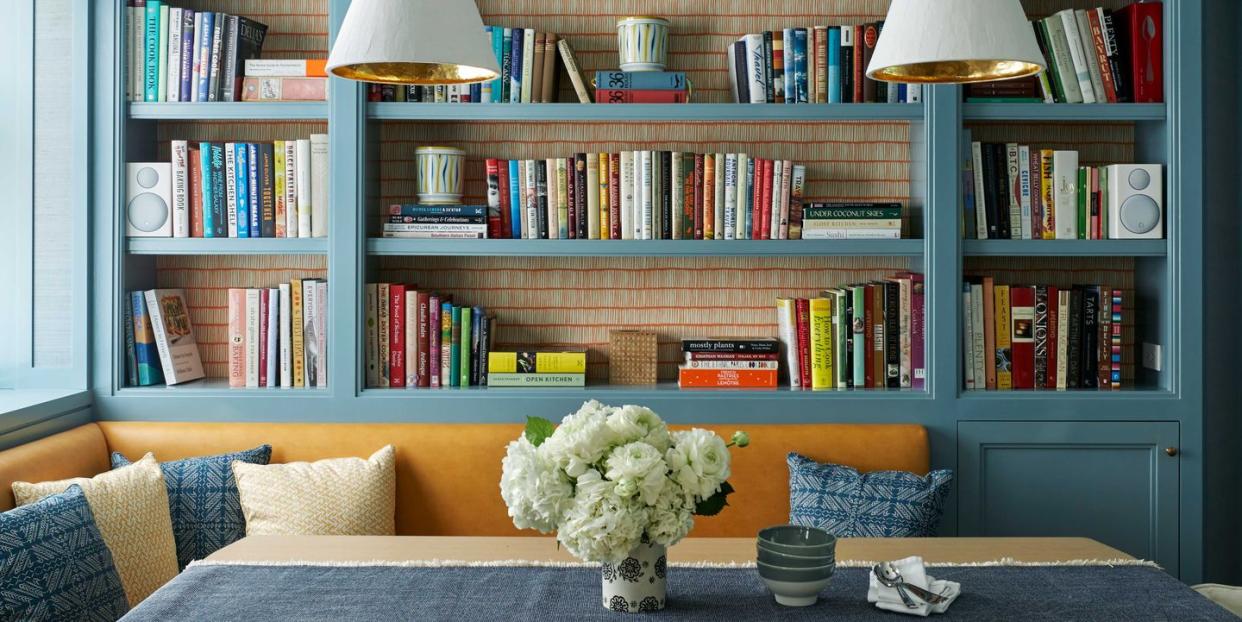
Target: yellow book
(297, 347)
(605, 231)
(536, 362)
(1047, 194)
(278, 151)
(821, 344)
(1004, 353)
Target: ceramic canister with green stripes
(439, 175)
(642, 43)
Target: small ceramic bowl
(793, 561)
(795, 575)
(796, 540)
(794, 590)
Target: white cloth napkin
(913, 572)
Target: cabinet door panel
(1111, 481)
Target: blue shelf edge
(294, 111)
(644, 248)
(1000, 111)
(410, 111)
(1065, 248)
(226, 246)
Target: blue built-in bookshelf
(1116, 441)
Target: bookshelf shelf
(218, 387)
(1065, 248)
(226, 246)
(664, 390)
(248, 111)
(645, 248)
(1063, 112)
(403, 111)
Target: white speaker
(1135, 201)
(148, 199)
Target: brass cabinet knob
(1172, 451)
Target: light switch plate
(1152, 356)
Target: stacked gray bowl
(796, 562)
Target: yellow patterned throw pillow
(131, 508)
(334, 497)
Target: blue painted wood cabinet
(1116, 482)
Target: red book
(640, 96)
(699, 195)
(614, 196)
(396, 335)
(506, 225)
(802, 315)
(1053, 326)
(433, 341)
(690, 189)
(859, 66)
(727, 378)
(765, 203)
(1140, 28)
(422, 365)
(493, 185)
(878, 363)
(869, 317)
(196, 193)
(756, 228)
(265, 298)
(571, 178)
(1022, 335)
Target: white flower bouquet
(609, 477)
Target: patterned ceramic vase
(637, 583)
(439, 179)
(642, 43)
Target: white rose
(536, 492)
(601, 526)
(639, 423)
(638, 468)
(671, 518)
(699, 462)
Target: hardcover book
(174, 335)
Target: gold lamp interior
(426, 74)
(957, 71)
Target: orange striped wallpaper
(1096, 143)
(295, 28)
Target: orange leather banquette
(448, 474)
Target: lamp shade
(428, 42)
(955, 41)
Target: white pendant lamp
(427, 42)
(955, 42)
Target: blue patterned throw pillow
(54, 565)
(202, 499)
(881, 504)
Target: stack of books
(1041, 337)
(1018, 192)
(159, 339)
(863, 336)
(815, 64)
(1093, 56)
(536, 369)
(182, 55)
(436, 222)
(851, 221)
(641, 87)
(278, 337)
(729, 363)
(285, 80)
(250, 190)
(420, 339)
(646, 195)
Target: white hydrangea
(535, 490)
(638, 469)
(582, 439)
(671, 518)
(601, 526)
(639, 423)
(699, 461)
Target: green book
(467, 318)
(536, 380)
(454, 378)
(1084, 194)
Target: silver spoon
(890, 578)
(891, 573)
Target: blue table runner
(467, 593)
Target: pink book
(918, 364)
(264, 309)
(786, 172)
(321, 333)
(433, 342)
(284, 89)
(237, 337)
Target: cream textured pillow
(334, 497)
(131, 508)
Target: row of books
(250, 190)
(536, 369)
(302, 79)
(421, 339)
(278, 336)
(1041, 337)
(642, 87)
(1018, 192)
(865, 335)
(182, 55)
(159, 339)
(852, 221)
(729, 363)
(816, 64)
(645, 195)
